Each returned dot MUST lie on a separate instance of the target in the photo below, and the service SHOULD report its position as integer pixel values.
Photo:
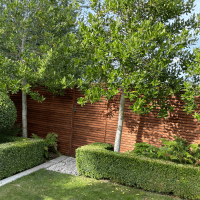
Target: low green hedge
(97, 161)
(4, 139)
(19, 154)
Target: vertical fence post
(72, 119)
(106, 121)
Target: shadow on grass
(49, 185)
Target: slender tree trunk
(120, 123)
(24, 102)
(24, 112)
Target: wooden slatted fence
(77, 126)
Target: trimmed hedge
(19, 154)
(4, 139)
(97, 161)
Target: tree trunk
(24, 103)
(24, 113)
(120, 123)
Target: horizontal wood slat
(97, 122)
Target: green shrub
(8, 111)
(139, 171)
(14, 130)
(194, 150)
(145, 149)
(50, 143)
(5, 138)
(19, 155)
(177, 151)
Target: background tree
(35, 42)
(144, 37)
(56, 79)
(192, 89)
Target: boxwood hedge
(4, 139)
(18, 154)
(99, 161)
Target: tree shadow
(77, 126)
(148, 128)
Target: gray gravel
(67, 166)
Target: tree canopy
(145, 38)
(37, 42)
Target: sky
(196, 11)
(85, 12)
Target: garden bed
(97, 161)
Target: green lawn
(49, 185)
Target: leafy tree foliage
(145, 38)
(36, 41)
(192, 89)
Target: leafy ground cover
(49, 185)
(179, 151)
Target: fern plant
(50, 143)
(194, 150)
(177, 151)
(145, 149)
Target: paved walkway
(29, 171)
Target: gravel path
(67, 166)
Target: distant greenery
(177, 151)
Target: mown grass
(49, 185)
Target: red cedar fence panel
(88, 123)
(97, 122)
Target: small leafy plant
(145, 149)
(50, 143)
(177, 151)
(194, 150)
